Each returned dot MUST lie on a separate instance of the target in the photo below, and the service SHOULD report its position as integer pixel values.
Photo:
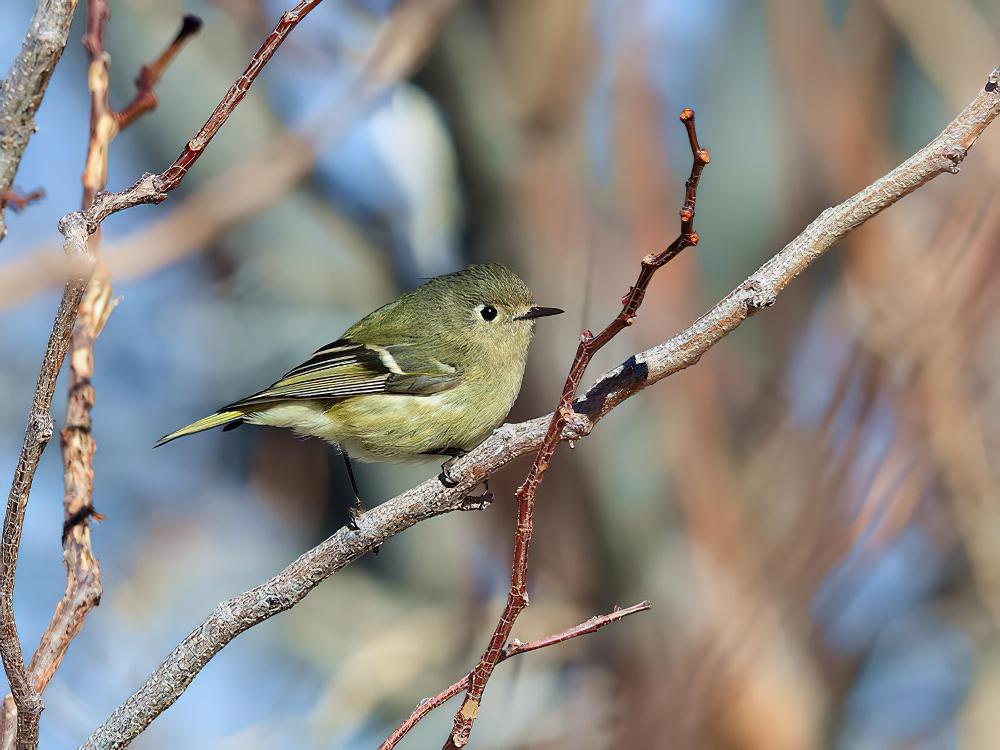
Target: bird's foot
(354, 513)
(356, 510)
(444, 477)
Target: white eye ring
(487, 312)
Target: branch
(258, 180)
(76, 228)
(149, 75)
(22, 91)
(83, 585)
(514, 648)
(172, 177)
(517, 596)
(19, 201)
(105, 122)
(83, 581)
(429, 499)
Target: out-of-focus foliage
(812, 509)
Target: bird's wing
(345, 368)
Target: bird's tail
(226, 417)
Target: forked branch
(76, 229)
(517, 596)
(514, 648)
(83, 582)
(429, 499)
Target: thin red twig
(514, 648)
(149, 75)
(20, 201)
(517, 597)
(173, 175)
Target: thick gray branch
(75, 228)
(429, 499)
(36, 437)
(22, 90)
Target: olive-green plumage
(433, 372)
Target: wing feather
(343, 369)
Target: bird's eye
(488, 312)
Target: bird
(432, 373)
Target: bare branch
(517, 596)
(22, 90)
(83, 581)
(514, 648)
(172, 177)
(257, 180)
(19, 201)
(429, 499)
(76, 229)
(149, 75)
(36, 437)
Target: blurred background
(812, 509)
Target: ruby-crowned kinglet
(432, 373)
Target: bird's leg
(454, 454)
(357, 507)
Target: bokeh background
(812, 509)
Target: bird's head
(485, 307)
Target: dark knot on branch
(629, 374)
(42, 425)
(755, 297)
(993, 81)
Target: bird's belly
(396, 427)
(386, 427)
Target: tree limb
(20, 201)
(76, 229)
(517, 596)
(83, 578)
(234, 616)
(149, 75)
(254, 183)
(22, 90)
(513, 648)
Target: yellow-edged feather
(214, 420)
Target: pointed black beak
(539, 312)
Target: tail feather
(213, 420)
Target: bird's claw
(354, 513)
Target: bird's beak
(539, 312)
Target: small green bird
(432, 373)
